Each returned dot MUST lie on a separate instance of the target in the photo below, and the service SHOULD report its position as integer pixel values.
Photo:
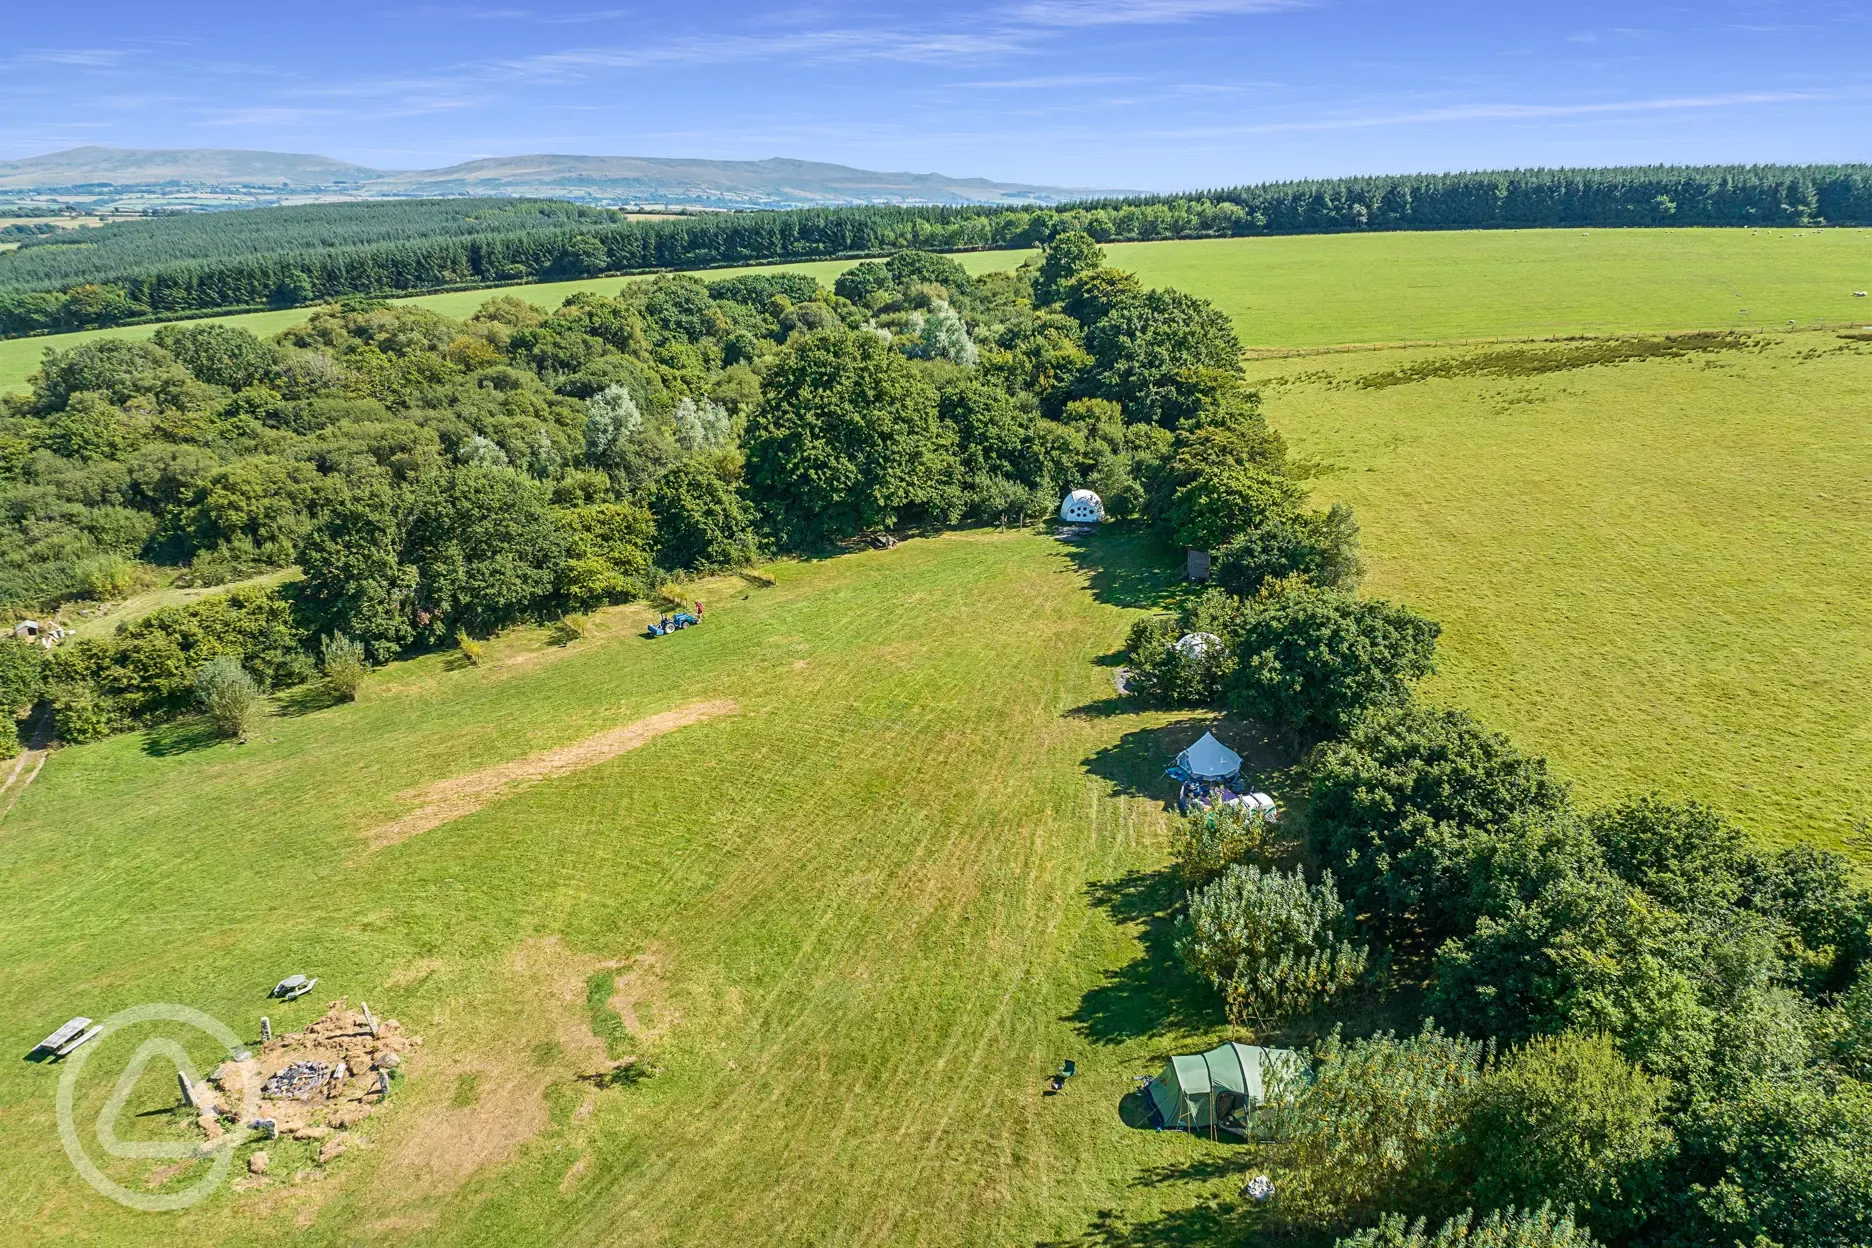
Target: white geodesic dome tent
(1082, 507)
(1196, 645)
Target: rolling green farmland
(863, 915)
(1320, 290)
(1647, 571)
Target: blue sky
(1152, 94)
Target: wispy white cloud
(1051, 82)
(1513, 112)
(819, 45)
(1139, 12)
(88, 58)
(1613, 34)
(468, 13)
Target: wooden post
(369, 1022)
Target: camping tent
(1196, 645)
(1210, 760)
(1217, 1089)
(1082, 507)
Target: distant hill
(202, 176)
(185, 166)
(774, 182)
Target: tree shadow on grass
(1210, 1222)
(1126, 566)
(314, 695)
(180, 736)
(1134, 764)
(1154, 992)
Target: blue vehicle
(670, 623)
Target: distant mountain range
(217, 177)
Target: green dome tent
(1217, 1089)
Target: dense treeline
(1631, 1013)
(323, 253)
(436, 480)
(53, 258)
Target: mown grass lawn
(1653, 572)
(858, 921)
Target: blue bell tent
(1209, 760)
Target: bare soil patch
(544, 990)
(446, 800)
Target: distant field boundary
(1287, 353)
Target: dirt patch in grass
(1534, 361)
(489, 1102)
(446, 800)
(640, 998)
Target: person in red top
(698, 610)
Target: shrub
(1374, 796)
(1159, 672)
(1000, 501)
(1321, 546)
(1566, 1119)
(108, 577)
(469, 647)
(1269, 942)
(1191, 676)
(81, 714)
(1311, 660)
(228, 695)
(1368, 1127)
(702, 521)
(1501, 1228)
(345, 665)
(1207, 843)
(1778, 1162)
(22, 674)
(1224, 504)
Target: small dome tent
(1196, 645)
(1210, 760)
(1218, 1089)
(1082, 507)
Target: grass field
(1654, 572)
(861, 917)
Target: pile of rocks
(318, 1083)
